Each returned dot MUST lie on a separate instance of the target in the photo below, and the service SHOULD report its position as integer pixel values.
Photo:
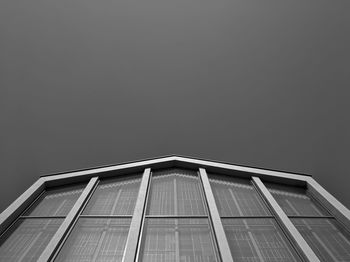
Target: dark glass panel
(27, 239)
(329, 241)
(175, 240)
(175, 192)
(295, 201)
(97, 240)
(257, 240)
(236, 197)
(57, 201)
(114, 197)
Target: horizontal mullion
(170, 216)
(105, 216)
(312, 217)
(243, 217)
(42, 217)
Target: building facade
(175, 209)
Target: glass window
(57, 201)
(175, 192)
(27, 239)
(325, 237)
(114, 197)
(97, 240)
(236, 197)
(295, 201)
(257, 240)
(174, 240)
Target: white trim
(20, 204)
(52, 246)
(297, 239)
(337, 209)
(219, 231)
(173, 161)
(136, 222)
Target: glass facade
(168, 216)
(325, 236)
(251, 230)
(27, 238)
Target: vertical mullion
(298, 241)
(136, 222)
(69, 220)
(337, 209)
(223, 246)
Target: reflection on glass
(96, 240)
(294, 201)
(175, 240)
(175, 192)
(114, 197)
(236, 197)
(57, 201)
(27, 239)
(257, 240)
(328, 241)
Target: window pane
(27, 239)
(175, 192)
(174, 240)
(257, 240)
(114, 197)
(236, 197)
(56, 201)
(295, 201)
(329, 242)
(97, 240)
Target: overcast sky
(87, 82)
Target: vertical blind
(295, 201)
(236, 197)
(96, 240)
(175, 240)
(27, 239)
(250, 228)
(114, 197)
(175, 192)
(323, 234)
(257, 240)
(56, 201)
(101, 232)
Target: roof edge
(169, 156)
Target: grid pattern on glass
(57, 201)
(27, 239)
(96, 240)
(295, 201)
(114, 197)
(257, 240)
(236, 197)
(175, 240)
(329, 241)
(175, 192)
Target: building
(175, 209)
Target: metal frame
(219, 232)
(135, 226)
(297, 239)
(50, 249)
(12, 213)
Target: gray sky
(87, 82)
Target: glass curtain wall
(101, 231)
(27, 238)
(251, 230)
(328, 239)
(176, 226)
